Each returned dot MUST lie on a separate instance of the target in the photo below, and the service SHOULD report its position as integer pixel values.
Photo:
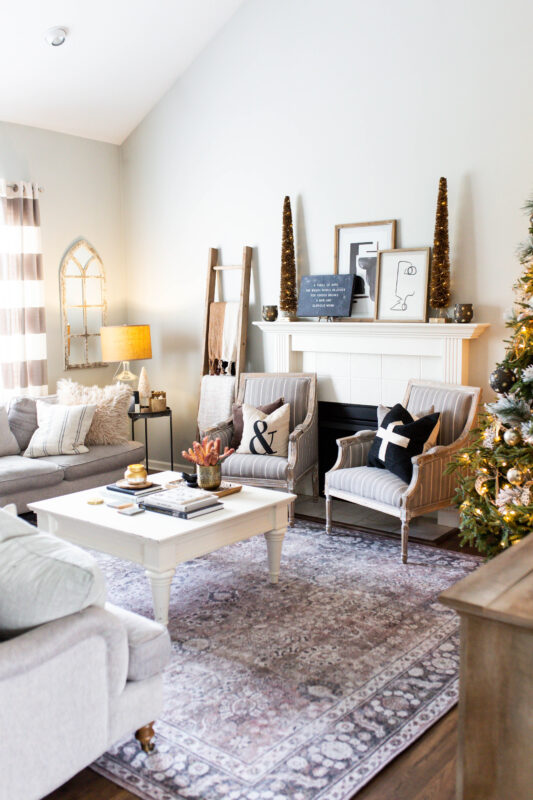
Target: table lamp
(125, 343)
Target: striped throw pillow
(61, 430)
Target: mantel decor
(356, 249)
(402, 285)
(439, 295)
(326, 295)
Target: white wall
(354, 109)
(81, 198)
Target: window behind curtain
(22, 320)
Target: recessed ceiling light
(55, 36)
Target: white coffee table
(159, 542)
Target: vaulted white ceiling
(119, 59)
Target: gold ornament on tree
(439, 288)
(481, 485)
(287, 297)
(515, 476)
(511, 437)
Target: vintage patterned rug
(303, 690)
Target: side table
(495, 603)
(146, 415)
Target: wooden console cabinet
(495, 603)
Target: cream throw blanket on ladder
(222, 337)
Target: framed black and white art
(402, 285)
(356, 250)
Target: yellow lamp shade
(125, 342)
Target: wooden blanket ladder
(214, 270)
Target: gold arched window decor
(83, 304)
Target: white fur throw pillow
(110, 423)
(265, 434)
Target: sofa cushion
(12, 526)
(8, 444)
(42, 577)
(110, 424)
(100, 458)
(22, 415)
(250, 466)
(371, 482)
(148, 644)
(62, 430)
(18, 473)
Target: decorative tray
(123, 483)
(227, 488)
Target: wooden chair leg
(290, 512)
(328, 514)
(405, 537)
(145, 736)
(314, 478)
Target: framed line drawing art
(402, 285)
(356, 249)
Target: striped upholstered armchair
(298, 389)
(350, 479)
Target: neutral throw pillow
(42, 577)
(22, 415)
(62, 430)
(8, 444)
(398, 439)
(110, 424)
(265, 434)
(382, 412)
(238, 423)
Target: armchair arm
(353, 450)
(28, 651)
(429, 484)
(222, 430)
(303, 446)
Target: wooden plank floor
(425, 771)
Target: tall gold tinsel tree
(439, 289)
(287, 297)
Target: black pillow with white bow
(399, 438)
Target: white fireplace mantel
(369, 362)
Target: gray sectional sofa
(23, 480)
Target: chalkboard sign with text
(325, 296)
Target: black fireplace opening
(336, 420)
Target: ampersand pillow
(265, 434)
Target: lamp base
(123, 373)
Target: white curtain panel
(22, 317)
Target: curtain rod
(15, 187)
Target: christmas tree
(287, 297)
(495, 492)
(439, 289)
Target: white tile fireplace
(369, 362)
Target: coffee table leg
(160, 583)
(274, 540)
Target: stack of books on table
(182, 502)
(132, 491)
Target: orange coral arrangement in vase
(207, 457)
